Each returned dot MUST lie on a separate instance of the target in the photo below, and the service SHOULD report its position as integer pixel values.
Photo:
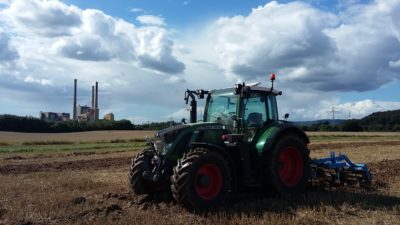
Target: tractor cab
(243, 109)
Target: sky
(145, 53)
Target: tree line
(379, 121)
(32, 124)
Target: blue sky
(145, 53)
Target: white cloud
(151, 20)
(395, 64)
(365, 107)
(5, 2)
(84, 47)
(355, 50)
(175, 79)
(273, 37)
(43, 82)
(48, 18)
(136, 10)
(7, 52)
(91, 35)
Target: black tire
(137, 168)
(201, 180)
(288, 166)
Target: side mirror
(238, 89)
(246, 91)
(286, 116)
(183, 121)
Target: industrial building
(86, 113)
(53, 116)
(109, 116)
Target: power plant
(86, 113)
(79, 112)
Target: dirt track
(63, 166)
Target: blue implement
(340, 169)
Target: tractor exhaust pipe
(193, 105)
(193, 111)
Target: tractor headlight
(166, 148)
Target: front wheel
(201, 180)
(141, 166)
(288, 166)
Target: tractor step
(339, 170)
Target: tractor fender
(224, 153)
(270, 137)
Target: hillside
(387, 120)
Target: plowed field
(91, 187)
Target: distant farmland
(89, 136)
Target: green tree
(351, 125)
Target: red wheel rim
(208, 181)
(291, 166)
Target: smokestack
(96, 106)
(93, 111)
(74, 109)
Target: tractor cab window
(272, 108)
(255, 113)
(221, 107)
(257, 110)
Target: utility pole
(333, 112)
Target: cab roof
(252, 89)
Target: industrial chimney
(74, 106)
(96, 106)
(93, 111)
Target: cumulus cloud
(155, 49)
(83, 48)
(48, 18)
(151, 20)
(44, 82)
(91, 35)
(318, 105)
(7, 52)
(272, 37)
(365, 107)
(136, 10)
(351, 50)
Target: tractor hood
(165, 138)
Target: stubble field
(81, 178)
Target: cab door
(254, 114)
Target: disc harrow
(339, 171)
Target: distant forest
(31, 124)
(378, 121)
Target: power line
(333, 112)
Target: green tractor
(240, 143)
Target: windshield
(221, 107)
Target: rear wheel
(201, 180)
(288, 166)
